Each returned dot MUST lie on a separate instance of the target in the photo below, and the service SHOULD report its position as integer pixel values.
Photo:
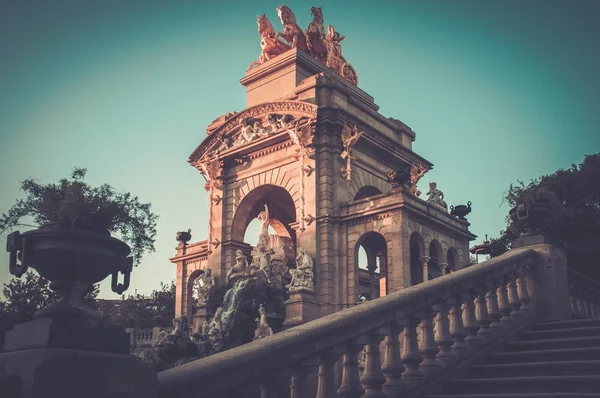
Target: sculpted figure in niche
(205, 287)
(263, 238)
(436, 196)
(262, 326)
(240, 268)
(261, 264)
(275, 122)
(303, 275)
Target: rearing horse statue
(270, 45)
(292, 33)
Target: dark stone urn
(72, 259)
(532, 217)
(398, 178)
(461, 211)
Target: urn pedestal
(301, 307)
(68, 350)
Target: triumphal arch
(313, 158)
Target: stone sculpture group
(323, 47)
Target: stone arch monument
(333, 172)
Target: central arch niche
(282, 213)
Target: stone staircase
(556, 359)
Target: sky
(496, 91)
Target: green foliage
(73, 202)
(138, 311)
(576, 225)
(24, 297)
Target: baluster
(392, 367)
(411, 357)
(493, 308)
(268, 388)
(326, 375)
(372, 378)
(443, 339)
(580, 306)
(523, 291)
(574, 307)
(482, 315)
(298, 384)
(350, 386)
(586, 305)
(514, 300)
(427, 347)
(470, 322)
(457, 330)
(503, 303)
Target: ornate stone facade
(285, 152)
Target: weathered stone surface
(67, 333)
(64, 373)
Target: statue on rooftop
(270, 45)
(435, 196)
(417, 171)
(315, 35)
(292, 33)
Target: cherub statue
(247, 130)
(262, 326)
(205, 286)
(436, 196)
(259, 130)
(292, 33)
(302, 275)
(239, 269)
(275, 122)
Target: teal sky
(495, 90)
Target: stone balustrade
(584, 294)
(140, 338)
(426, 332)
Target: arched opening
(282, 214)
(452, 259)
(435, 256)
(371, 261)
(192, 297)
(367, 191)
(417, 251)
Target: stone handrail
(474, 305)
(585, 296)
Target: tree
(24, 297)
(145, 312)
(577, 229)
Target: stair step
(537, 384)
(561, 333)
(566, 324)
(572, 342)
(563, 368)
(520, 395)
(564, 354)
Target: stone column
(547, 284)
(425, 266)
(371, 267)
(383, 274)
